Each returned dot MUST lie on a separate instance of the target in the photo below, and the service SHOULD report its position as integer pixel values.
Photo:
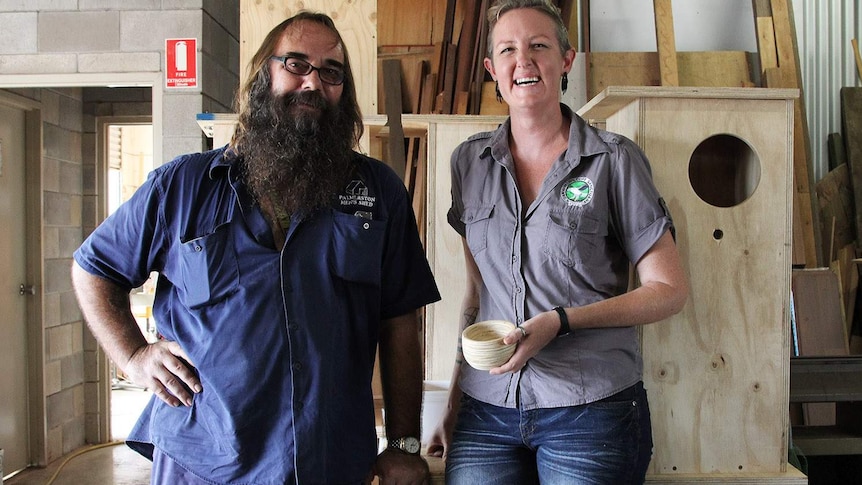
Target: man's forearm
(106, 308)
(401, 375)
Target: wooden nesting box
(717, 373)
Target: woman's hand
(537, 333)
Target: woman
(553, 213)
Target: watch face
(411, 445)
(407, 444)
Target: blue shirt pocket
(209, 268)
(357, 248)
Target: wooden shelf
(826, 440)
(826, 379)
(829, 379)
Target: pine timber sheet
(851, 118)
(696, 69)
(717, 373)
(445, 251)
(417, 22)
(356, 20)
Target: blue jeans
(605, 442)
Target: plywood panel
(837, 213)
(701, 69)
(445, 251)
(851, 122)
(356, 20)
(392, 18)
(819, 314)
(716, 371)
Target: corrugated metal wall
(824, 29)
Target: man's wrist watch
(407, 444)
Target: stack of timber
(433, 67)
(779, 69)
(779, 62)
(442, 54)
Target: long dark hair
(259, 78)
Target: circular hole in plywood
(724, 171)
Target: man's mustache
(308, 98)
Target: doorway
(125, 158)
(14, 292)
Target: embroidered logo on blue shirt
(356, 195)
(577, 191)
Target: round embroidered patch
(578, 191)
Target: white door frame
(33, 270)
(102, 122)
(35, 260)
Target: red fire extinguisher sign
(181, 63)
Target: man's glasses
(329, 75)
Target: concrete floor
(116, 463)
(111, 464)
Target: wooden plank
(785, 37)
(666, 43)
(787, 75)
(489, 104)
(446, 53)
(447, 96)
(697, 69)
(806, 250)
(819, 328)
(765, 34)
(569, 13)
(851, 119)
(426, 103)
(837, 214)
(766, 44)
(819, 316)
(835, 150)
(414, 61)
(392, 18)
(420, 192)
(392, 82)
(417, 83)
(464, 60)
(478, 67)
(858, 57)
(848, 283)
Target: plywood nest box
(717, 373)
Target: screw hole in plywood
(724, 171)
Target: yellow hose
(78, 453)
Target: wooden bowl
(482, 344)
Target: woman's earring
(497, 91)
(565, 82)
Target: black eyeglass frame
(324, 72)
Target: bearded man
(284, 259)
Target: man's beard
(295, 157)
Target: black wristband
(564, 322)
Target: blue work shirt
(283, 340)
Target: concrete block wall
(63, 329)
(114, 36)
(75, 37)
